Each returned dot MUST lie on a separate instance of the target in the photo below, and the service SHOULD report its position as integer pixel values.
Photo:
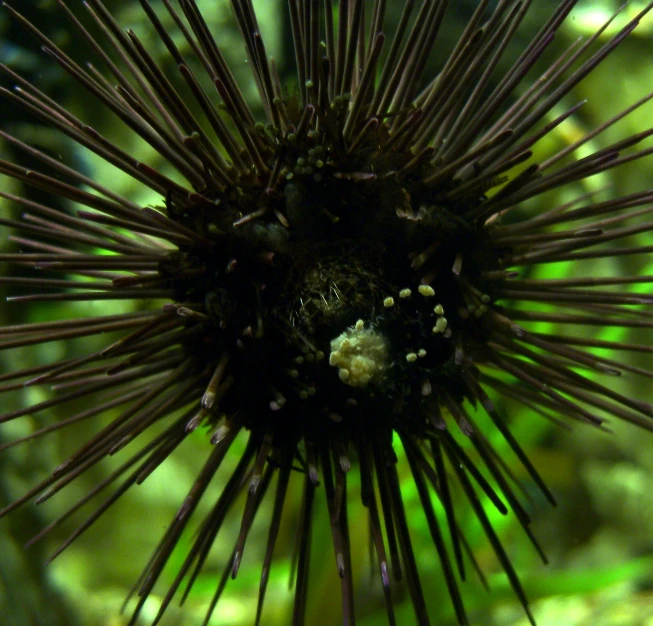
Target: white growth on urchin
(359, 353)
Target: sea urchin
(349, 274)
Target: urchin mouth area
(360, 354)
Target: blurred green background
(599, 539)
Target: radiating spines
(150, 104)
(439, 161)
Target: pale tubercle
(360, 354)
